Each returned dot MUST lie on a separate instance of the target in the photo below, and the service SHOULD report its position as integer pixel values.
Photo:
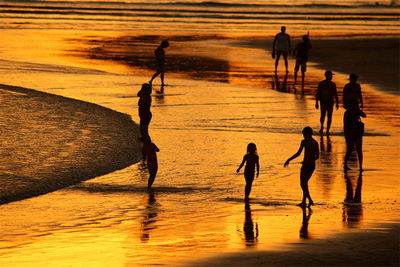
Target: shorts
(308, 168)
(301, 62)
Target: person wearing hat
(326, 96)
(352, 90)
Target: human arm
(295, 155)
(258, 167)
(361, 100)
(289, 44)
(317, 96)
(155, 148)
(336, 98)
(241, 164)
(295, 49)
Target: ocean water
(202, 129)
(235, 17)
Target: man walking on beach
(301, 58)
(281, 46)
(326, 95)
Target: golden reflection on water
(197, 207)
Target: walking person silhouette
(252, 161)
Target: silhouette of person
(149, 151)
(353, 131)
(144, 104)
(311, 154)
(326, 95)
(160, 60)
(250, 230)
(301, 53)
(352, 90)
(281, 46)
(251, 160)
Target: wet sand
(50, 142)
(378, 247)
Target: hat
(328, 72)
(353, 76)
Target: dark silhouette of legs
(304, 178)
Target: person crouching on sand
(160, 60)
(251, 159)
(144, 109)
(311, 154)
(149, 152)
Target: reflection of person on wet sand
(352, 90)
(281, 46)
(248, 228)
(149, 151)
(144, 109)
(353, 131)
(304, 225)
(326, 95)
(352, 208)
(311, 154)
(278, 86)
(149, 217)
(160, 60)
(251, 160)
(301, 58)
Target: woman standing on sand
(144, 109)
(353, 131)
(160, 60)
(251, 159)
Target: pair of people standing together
(282, 47)
(352, 98)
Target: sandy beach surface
(116, 209)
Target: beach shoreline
(50, 142)
(361, 247)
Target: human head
(305, 38)
(353, 77)
(328, 75)
(146, 88)
(283, 29)
(251, 148)
(165, 43)
(307, 131)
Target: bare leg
(329, 122)
(286, 62)
(153, 172)
(304, 177)
(322, 119)
(154, 76)
(359, 152)
(277, 61)
(347, 156)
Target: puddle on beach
(196, 208)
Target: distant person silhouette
(144, 109)
(281, 46)
(301, 53)
(311, 154)
(353, 131)
(326, 95)
(251, 160)
(352, 90)
(160, 62)
(149, 152)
